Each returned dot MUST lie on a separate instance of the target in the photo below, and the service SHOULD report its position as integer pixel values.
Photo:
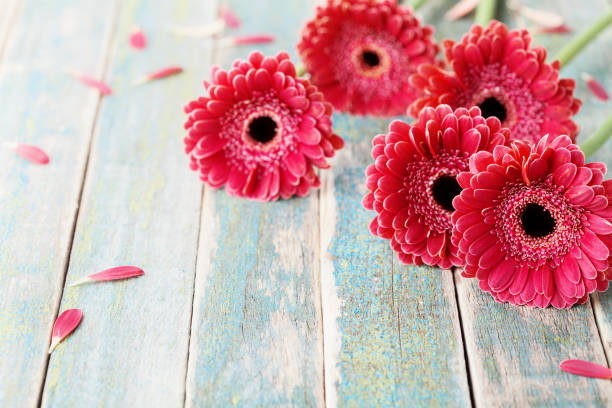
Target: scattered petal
(230, 18)
(461, 9)
(93, 83)
(116, 273)
(207, 30)
(64, 325)
(138, 39)
(560, 29)
(248, 39)
(541, 17)
(585, 369)
(162, 73)
(595, 87)
(29, 152)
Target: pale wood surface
(291, 303)
(42, 105)
(514, 353)
(256, 335)
(141, 206)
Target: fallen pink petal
(138, 38)
(30, 152)
(252, 39)
(461, 9)
(541, 17)
(595, 87)
(230, 18)
(162, 73)
(112, 274)
(102, 87)
(585, 369)
(560, 29)
(64, 325)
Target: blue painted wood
(141, 207)
(596, 61)
(392, 336)
(514, 352)
(256, 337)
(42, 105)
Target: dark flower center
(537, 222)
(370, 58)
(262, 129)
(493, 107)
(444, 189)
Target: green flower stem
(577, 44)
(593, 143)
(300, 70)
(416, 4)
(485, 12)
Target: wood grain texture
(514, 352)
(392, 335)
(141, 207)
(44, 106)
(593, 113)
(256, 337)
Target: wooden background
(291, 303)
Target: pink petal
(561, 29)
(598, 224)
(595, 87)
(138, 39)
(94, 83)
(31, 153)
(230, 18)
(460, 9)
(64, 325)
(252, 39)
(585, 369)
(162, 73)
(116, 273)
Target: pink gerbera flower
(360, 53)
(533, 223)
(413, 180)
(497, 70)
(261, 131)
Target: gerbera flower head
(360, 53)
(533, 223)
(261, 130)
(413, 182)
(497, 70)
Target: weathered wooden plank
(42, 105)
(141, 206)
(593, 114)
(392, 333)
(256, 336)
(514, 352)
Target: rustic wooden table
(291, 303)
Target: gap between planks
(214, 59)
(105, 68)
